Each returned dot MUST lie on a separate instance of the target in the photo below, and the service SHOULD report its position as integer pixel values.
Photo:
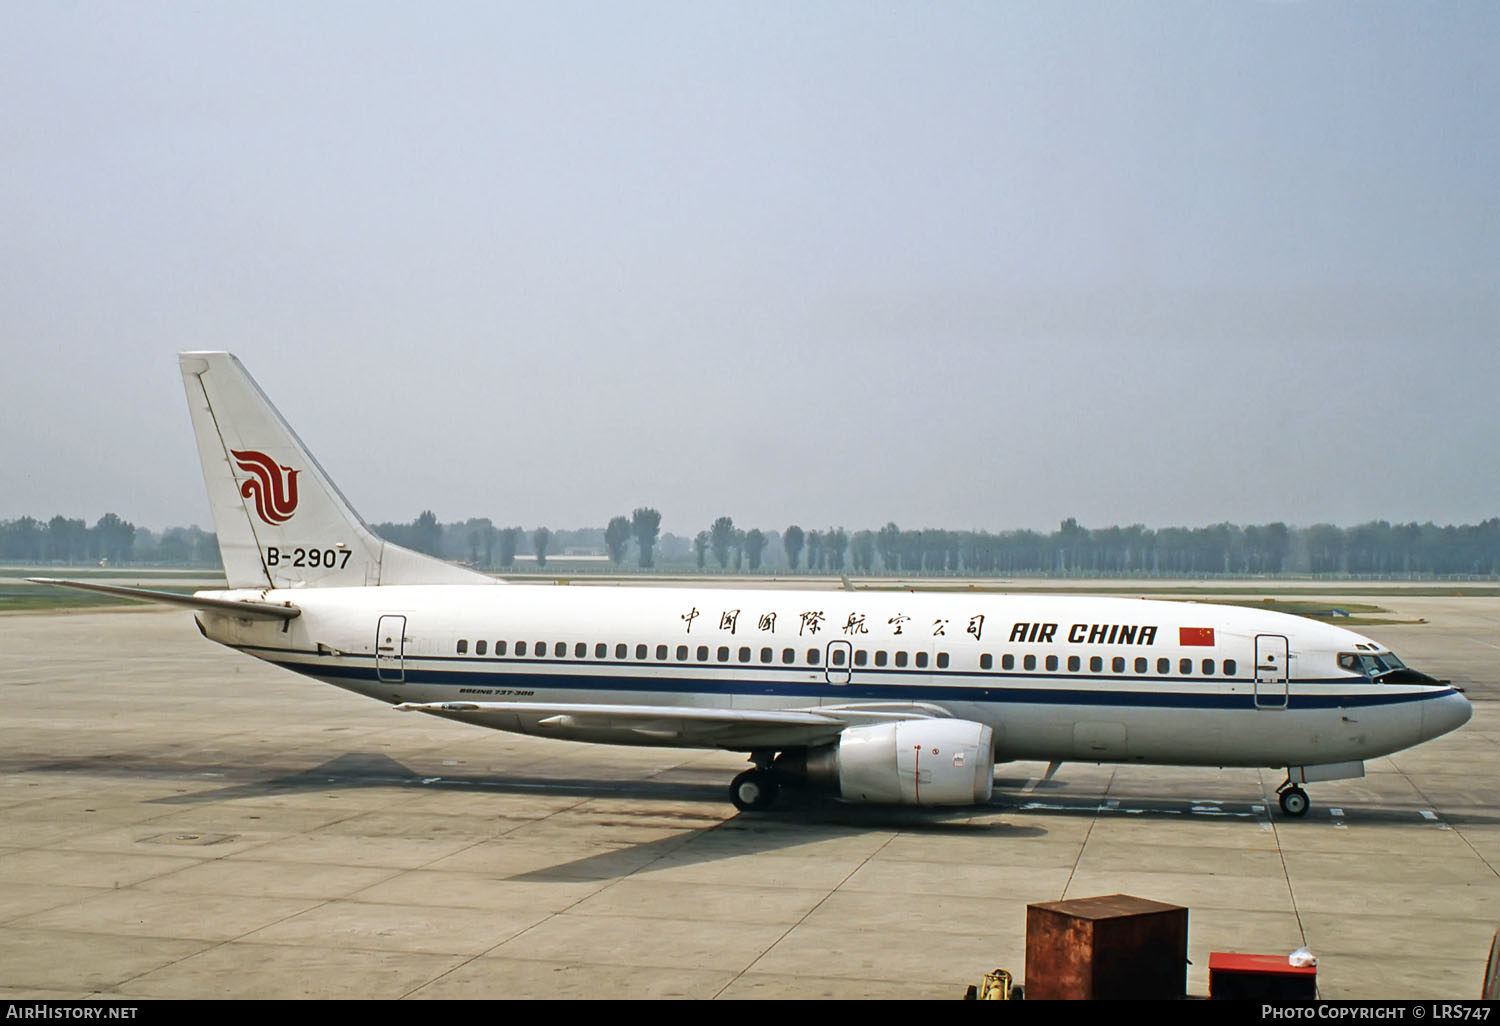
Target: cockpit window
(1383, 668)
(1370, 664)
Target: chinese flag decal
(1195, 636)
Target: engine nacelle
(909, 762)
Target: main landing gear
(1293, 799)
(755, 790)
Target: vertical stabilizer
(281, 522)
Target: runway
(179, 821)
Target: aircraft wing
(668, 724)
(680, 724)
(249, 609)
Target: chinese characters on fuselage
(1028, 632)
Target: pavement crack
(787, 932)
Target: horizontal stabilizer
(247, 608)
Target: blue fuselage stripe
(1004, 690)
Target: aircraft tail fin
(281, 521)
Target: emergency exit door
(390, 650)
(837, 660)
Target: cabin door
(1271, 671)
(390, 650)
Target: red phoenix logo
(275, 496)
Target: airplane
(878, 697)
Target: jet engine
(909, 762)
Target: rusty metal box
(1110, 947)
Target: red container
(1237, 977)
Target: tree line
(480, 543)
(111, 540)
(1378, 548)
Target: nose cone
(1445, 712)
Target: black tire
(1294, 802)
(754, 791)
(1492, 971)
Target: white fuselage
(1056, 677)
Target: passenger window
(580, 650)
(812, 657)
(1164, 666)
(1029, 662)
(601, 650)
(921, 659)
(942, 660)
(480, 647)
(703, 653)
(620, 650)
(1052, 664)
(901, 658)
(661, 652)
(1007, 662)
(789, 656)
(1140, 664)
(1229, 667)
(836, 657)
(539, 650)
(744, 654)
(1096, 664)
(520, 648)
(1117, 664)
(1185, 667)
(1208, 667)
(766, 655)
(1074, 664)
(723, 653)
(861, 657)
(682, 653)
(986, 661)
(880, 658)
(463, 647)
(560, 650)
(640, 651)
(499, 648)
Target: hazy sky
(961, 265)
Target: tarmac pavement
(179, 821)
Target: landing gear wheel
(754, 790)
(1294, 801)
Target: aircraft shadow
(353, 771)
(800, 817)
(1093, 805)
(357, 770)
